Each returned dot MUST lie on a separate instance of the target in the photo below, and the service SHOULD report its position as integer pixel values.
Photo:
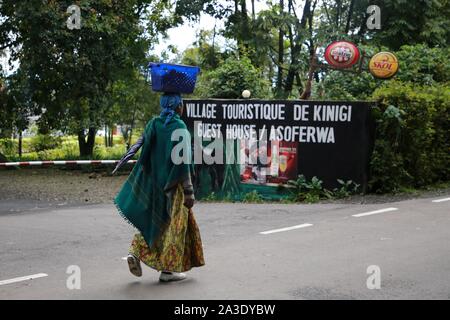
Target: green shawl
(145, 199)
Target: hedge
(412, 146)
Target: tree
(424, 22)
(71, 72)
(231, 78)
(134, 103)
(19, 105)
(288, 38)
(204, 52)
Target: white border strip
(374, 212)
(441, 200)
(61, 163)
(21, 279)
(302, 226)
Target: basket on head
(173, 78)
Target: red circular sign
(342, 54)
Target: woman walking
(157, 199)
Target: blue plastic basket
(173, 78)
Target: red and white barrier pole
(61, 163)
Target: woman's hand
(189, 203)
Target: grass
(68, 150)
(432, 187)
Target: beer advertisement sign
(384, 65)
(342, 54)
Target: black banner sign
(324, 139)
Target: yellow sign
(384, 65)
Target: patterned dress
(179, 249)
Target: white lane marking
(374, 212)
(21, 279)
(307, 225)
(441, 200)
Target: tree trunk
(306, 95)
(299, 84)
(308, 88)
(350, 15)
(132, 125)
(87, 146)
(338, 13)
(238, 24)
(296, 50)
(245, 29)
(130, 139)
(253, 10)
(111, 137)
(363, 28)
(125, 135)
(280, 54)
(106, 136)
(20, 144)
(3, 158)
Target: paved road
(325, 258)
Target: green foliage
(231, 78)
(67, 152)
(423, 65)
(252, 197)
(43, 142)
(411, 147)
(312, 191)
(346, 86)
(228, 197)
(67, 149)
(134, 104)
(212, 197)
(111, 153)
(15, 104)
(413, 22)
(204, 53)
(346, 189)
(8, 147)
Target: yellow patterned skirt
(179, 249)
